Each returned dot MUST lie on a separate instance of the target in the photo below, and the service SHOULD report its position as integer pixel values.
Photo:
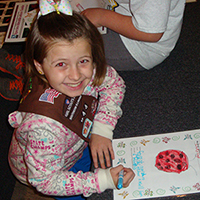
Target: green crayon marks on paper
(136, 193)
(186, 189)
(120, 153)
(133, 143)
(197, 135)
(160, 191)
(175, 138)
(156, 140)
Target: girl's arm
(111, 94)
(119, 23)
(48, 155)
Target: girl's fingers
(101, 159)
(128, 177)
(95, 159)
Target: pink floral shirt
(42, 150)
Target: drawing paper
(139, 153)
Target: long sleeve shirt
(42, 149)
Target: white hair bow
(48, 6)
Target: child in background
(69, 89)
(141, 33)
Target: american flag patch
(49, 95)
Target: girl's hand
(128, 175)
(101, 147)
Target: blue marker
(120, 179)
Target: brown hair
(53, 27)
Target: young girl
(68, 87)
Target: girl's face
(68, 67)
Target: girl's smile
(68, 67)
(74, 86)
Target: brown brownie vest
(76, 113)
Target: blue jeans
(83, 164)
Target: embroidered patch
(86, 127)
(49, 95)
(94, 107)
(67, 101)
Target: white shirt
(153, 16)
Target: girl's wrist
(105, 179)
